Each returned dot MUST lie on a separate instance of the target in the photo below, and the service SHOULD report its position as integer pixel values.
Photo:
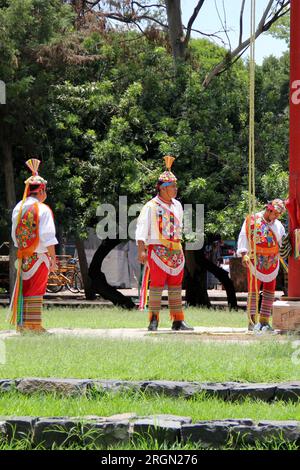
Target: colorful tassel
(144, 288)
(17, 301)
(33, 164)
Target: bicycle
(67, 276)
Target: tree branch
(223, 25)
(130, 19)
(154, 5)
(210, 35)
(238, 51)
(241, 21)
(191, 21)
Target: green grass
(143, 404)
(103, 317)
(170, 357)
(143, 443)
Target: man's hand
(245, 259)
(142, 256)
(53, 265)
(142, 253)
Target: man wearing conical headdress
(158, 236)
(259, 243)
(33, 233)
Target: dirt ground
(236, 335)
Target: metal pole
(294, 179)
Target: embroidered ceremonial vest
(267, 248)
(27, 232)
(168, 254)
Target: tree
(166, 15)
(102, 105)
(25, 25)
(281, 29)
(108, 137)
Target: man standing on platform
(33, 233)
(158, 236)
(263, 233)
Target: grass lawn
(198, 408)
(143, 404)
(170, 357)
(104, 317)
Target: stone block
(255, 391)
(67, 387)
(50, 432)
(288, 391)
(286, 315)
(106, 433)
(19, 427)
(158, 428)
(212, 433)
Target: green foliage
(103, 117)
(281, 29)
(26, 27)
(275, 182)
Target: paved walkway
(202, 333)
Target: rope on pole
(251, 162)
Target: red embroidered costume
(33, 231)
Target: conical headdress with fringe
(33, 164)
(167, 176)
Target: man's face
(169, 192)
(272, 214)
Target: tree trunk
(223, 277)
(8, 169)
(176, 34)
(197, 266)
(195, 281)
(99, 283)
(87, 283)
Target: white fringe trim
(264, 277)
(164, 267)
(42, 258)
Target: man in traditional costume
(33, 233)
(158, 236)
(259, 242)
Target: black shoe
(153, 325)
(181, 325)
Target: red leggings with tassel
(158, 279)
(267, 297)
(33, 291)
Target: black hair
(34, 188)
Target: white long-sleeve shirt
(46, 224)
(146, 229)
(276, 227)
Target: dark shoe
(153, 325)
(181, 325)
